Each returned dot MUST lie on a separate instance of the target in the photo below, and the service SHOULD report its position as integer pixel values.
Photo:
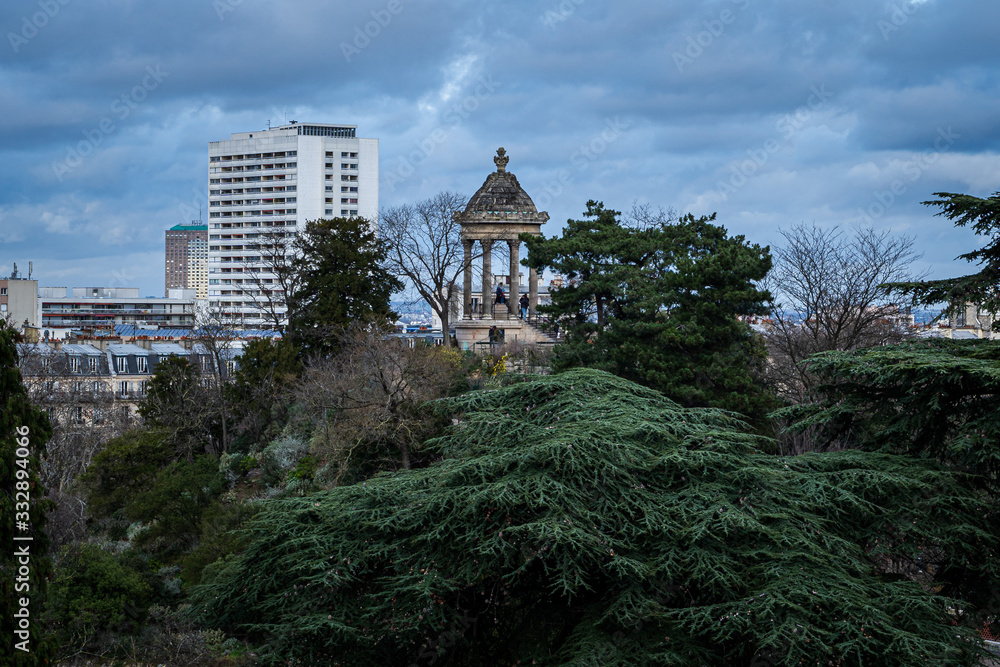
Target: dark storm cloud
(768, 111)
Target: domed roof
(501, 194)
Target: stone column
(467, 285)
(513, 307)
(532, 292)
(487, 306)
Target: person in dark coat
(501, 299)
(524, 306)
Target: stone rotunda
(498, 213)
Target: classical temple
(498, 213)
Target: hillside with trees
(346, 498)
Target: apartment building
(263, 188)
(186, 259)
(101, 308)
(94, 381)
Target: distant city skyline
(769, 113)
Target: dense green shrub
(218, 537)
(581, 519)
(173, 504)
(124, 470)
(93, 595)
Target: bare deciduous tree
(644, 216)
(828, 293)
(426, 249)
(217, 333)
(272, 283)
(368, 396)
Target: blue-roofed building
(85, 382)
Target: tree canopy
(582, 519)
(660, 305)
(981, 288)
(182, 409)
(932, 399)
(340, 265)
(267, 368)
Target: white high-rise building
(266, 183)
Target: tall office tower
(186, 259)
(266, 185)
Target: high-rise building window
(279, 172)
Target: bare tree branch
(273, 280)
(829, 296)
(426, 250)
(369, 394)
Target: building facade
(186, 259)
(101, 308)
(19, 302)
(263, 188)
(97, 381)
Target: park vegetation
(627, 498)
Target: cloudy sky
(770, 112)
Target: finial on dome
(501, 160)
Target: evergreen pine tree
(930, 399)
(665, 306)
(341, 278)
(981, 288)
(582, 519)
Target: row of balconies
(254, 157)
(262, 213)
(254, 202)
(253, 191)
(253, 179)
(263, 225)
(252, 167)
